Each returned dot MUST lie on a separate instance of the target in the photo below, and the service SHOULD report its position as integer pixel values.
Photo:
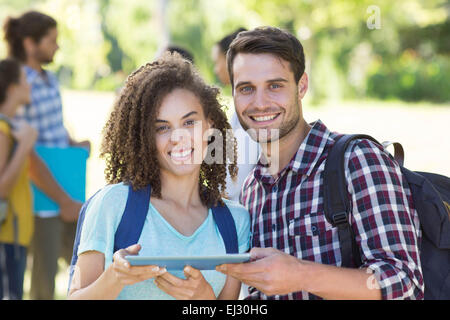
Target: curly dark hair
(129, 136)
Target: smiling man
(296, 252)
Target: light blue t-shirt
(158, 238)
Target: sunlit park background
(377, 67)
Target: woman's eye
(190, 122)
(162, 129)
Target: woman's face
(180, 126)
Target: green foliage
(410, 78)
(406, 57)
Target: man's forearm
(335, 283)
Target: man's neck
(279, 157)
(34, 64)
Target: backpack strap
(227, 227)
(11, 126)
(336, 202)
(133, 219)
(76, 243)
(130, 227)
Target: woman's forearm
(230, 290)
(106, 287)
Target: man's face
(266, 95)
(220, 65)
(46, 48)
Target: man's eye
(275, 86)
(246, 89)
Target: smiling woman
(173, 82)
(154, 140)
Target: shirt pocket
(313, 238)
(313, 224)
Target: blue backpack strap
(76, 243)
(227, 227)
(130, 227)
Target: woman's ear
(210, 123)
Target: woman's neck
(8, 108)
(181, 190)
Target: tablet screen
(197, 262)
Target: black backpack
(431, 196)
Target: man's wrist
(307, 272)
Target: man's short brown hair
(268, 40)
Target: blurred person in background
(186, 54)
(248, 150)
(32, 39)
(16, 145)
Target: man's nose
(260, 100)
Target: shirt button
(274, 227)
(275, 188)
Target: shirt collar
(311, 149)
(33, 75)
(307, 156)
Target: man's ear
(302, 86)
(29, 45)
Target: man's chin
(264, 135)
(46, 61)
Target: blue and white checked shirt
(44, 113)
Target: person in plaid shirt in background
(296, 253)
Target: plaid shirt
(44, 113)
(287, 214)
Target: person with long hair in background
(16, 217)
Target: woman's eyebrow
(183, 117)
(189, 114)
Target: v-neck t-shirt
(158, 238)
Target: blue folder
(68, 166)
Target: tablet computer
(197, 262)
